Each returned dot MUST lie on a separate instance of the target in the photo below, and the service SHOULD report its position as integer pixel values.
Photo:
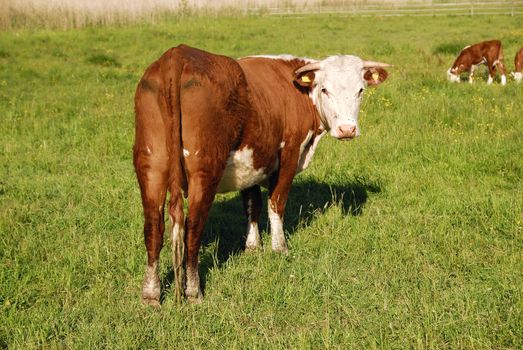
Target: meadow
(409, 237)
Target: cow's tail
(158, 156)
(177, 182)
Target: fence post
(471, 8)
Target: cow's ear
(374, 75)
(305, 79)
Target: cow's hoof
(151, 291)
(196, 300)
(280, 248)
(151, 302)
(252, 248)
(194, 297)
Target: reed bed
(70, 14)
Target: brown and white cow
(518, 66)
(489, 53)
(207, 123)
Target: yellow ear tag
(375, 76)
(305, 79)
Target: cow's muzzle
(347, 131)
(518, 76)
(452, 77)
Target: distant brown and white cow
(518, 66)
(207, 123)
(489, 53)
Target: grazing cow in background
(207, 123)
(489, 53)
(518, 66)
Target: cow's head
(453, 75)
(336, 86)
(518, 76)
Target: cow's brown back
(190, 99)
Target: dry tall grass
(66, 14)
(80, 13)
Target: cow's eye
(325, 91)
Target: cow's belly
(240, 173)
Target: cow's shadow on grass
(225, 230)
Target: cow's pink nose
(347, 131)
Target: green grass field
(408, 237)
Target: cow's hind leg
(202, 189)
(153, 185)
(498, 64)
(252, 202)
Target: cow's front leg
(491, 74)
(279, 188)
(252, 202)
(471, 74)
(202, 190)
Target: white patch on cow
(196, 153)
(186, 152)
(518, 76)
(304, 145)
(177, 233)
(177, 254)
(283, 57)
(306, 141)
(490, 80)
(240, 173)
(282, 144)
(277, 234)
(253, 236)
(307, 153)
(148, 150)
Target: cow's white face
(452, 76)
(336, 87)
(518, 76)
